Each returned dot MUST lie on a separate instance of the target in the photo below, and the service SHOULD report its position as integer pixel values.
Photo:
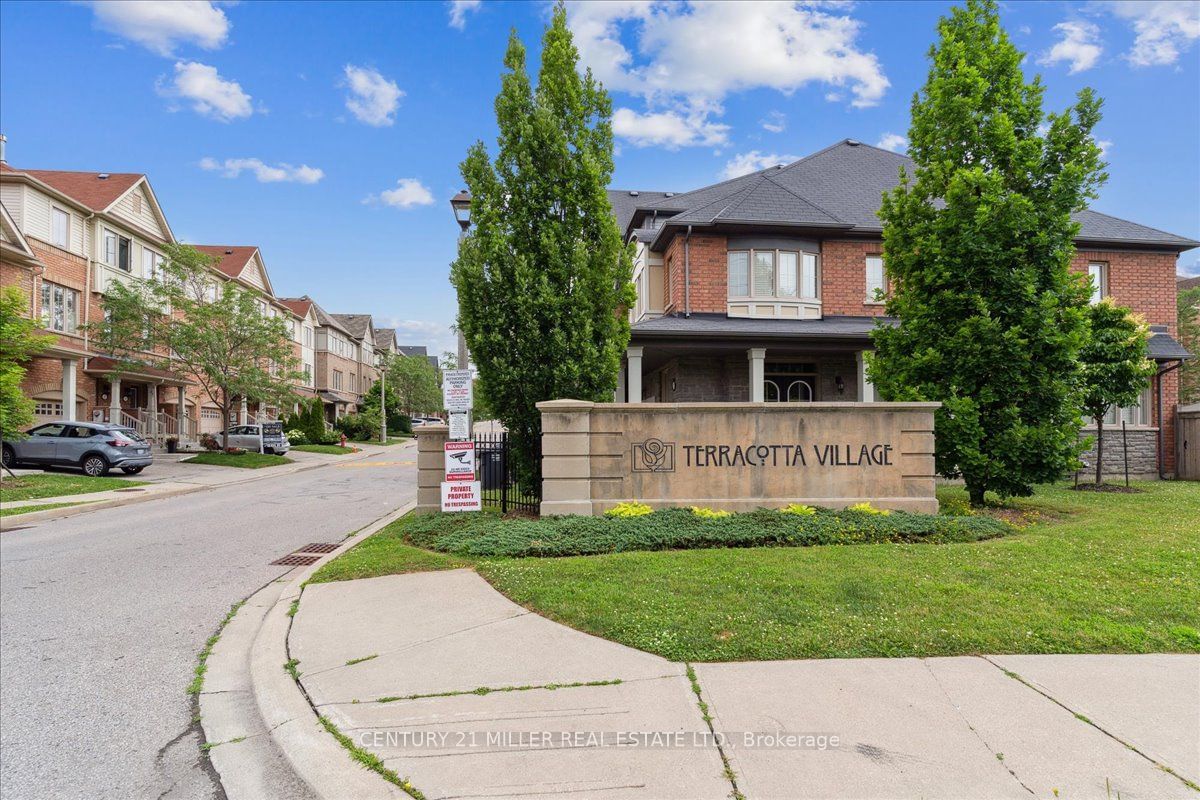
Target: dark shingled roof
(1182, 282)
(839, 189)
(709, 324)
(1165, 348)
(411, 349)
(625, 201)
(356, 324)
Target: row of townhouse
(763, 288)
(64, 236)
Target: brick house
(764, 287)
(344, 361)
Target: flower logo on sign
(654, 455)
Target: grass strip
(485, 690)
(730, 775)
(49, 484)
(242, 460)
(371, 761)
(197, 684)
(12, 512)
(327, 449)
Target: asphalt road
(102, 615)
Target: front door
(788, 382)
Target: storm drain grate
(318, 547)
(296, 560)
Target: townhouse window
(308, 337)
(308, 370)
(60, 308)
(152, 264)
(60, 228)
(1098, 274)
(876, 279)
(116, 250)
(337, 379)
(1136, 414)
(787, 274)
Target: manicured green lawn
(1098, 573)
(12, 512)
(327, 449)
(394, 438)
(50, 484)
(245, 460)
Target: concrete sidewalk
(171, 476)
(467, 694)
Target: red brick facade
(844, 277)
(707, 264)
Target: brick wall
(844, 277)
(709, 273)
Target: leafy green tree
(543, 273)
(1114, 368)
(977, 247)
(414, 382)
(216, 332)
(1189, 337)
(397, 420)
(21, 342)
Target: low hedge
(487, 534)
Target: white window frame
(1098, 277)
(55, 306)
(57, 214)
(116, 238)
(153, 269)
(1136, 415)
(803, 261)
(881, 286)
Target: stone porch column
(866, 389)
(68, 388)
(757, 357)
(633, 377)
(114, 401)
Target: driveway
(105, 612)
(469, 695)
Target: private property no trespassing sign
(462, 496)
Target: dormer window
(774, 280)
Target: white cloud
(409, 193)
(690, 56)
(775, 122)
(1105, 145)
(670, 129)
(1164, 29)
(264, 173)
(459, 10)
(209, 93)
(745, 163)
(373, 98)
(892, 141)
(162, 25)
(1079, 46)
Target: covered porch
(714, 358)
(152, 401)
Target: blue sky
(329, 134)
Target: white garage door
(47, 411)
(210, 420)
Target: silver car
(247, 437)
(94, 447)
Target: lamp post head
(461, 203)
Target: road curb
(21, 520)
(283, 710)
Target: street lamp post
(461, 203)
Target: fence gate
(502, 487)
(1187, 450)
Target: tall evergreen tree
(543, 275)
(1188, 326)
(977, 246)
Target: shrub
(799, 509)
(209, 442)
(483, 534)
(404, 424)
(297, 436)
(630, 509)
(867, 508)
(709, 513)
(956, 507)
(364, 425)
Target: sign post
(460, 490)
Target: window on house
(764, 273)
(308, 370)
(1098, 273)
(308, 337)
(739, 274)
(60, 308)
(116, 250)
(337, 379)
(808, 276)
(876, 279)
(1136, 414)
(151, 264)
(60, 228)
(787, 274)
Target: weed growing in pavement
(354, 661)
(290, 668)
(197, 684)
(294, 607)
(730, 775)
(485, 690)
(370, 760)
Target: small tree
(978, 251)
(543, 274)
(19, 342)
(1113, 365)
(217, 333)
(1189, 337)
(397, 419)
(414, 382)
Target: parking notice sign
(457, 389)
(460, 461)
(461, 496)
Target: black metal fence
(502, 486)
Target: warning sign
(457, 389)
(460, 461)
(461, 496)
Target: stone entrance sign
(736, 456)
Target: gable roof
(837, 189)
(357, 325)
(385, 337)
(411, 349)
(325, 319)
(14, 241)
(300, 306)
(232, 261)
(625, 202)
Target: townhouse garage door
(210, 420)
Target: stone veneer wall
(1143, 453)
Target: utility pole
(383, 404)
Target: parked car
(94, 447)
(246, 436)
(417, 422)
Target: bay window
(60, 308)
(771, 273)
